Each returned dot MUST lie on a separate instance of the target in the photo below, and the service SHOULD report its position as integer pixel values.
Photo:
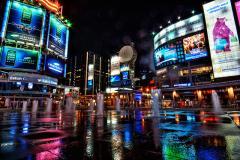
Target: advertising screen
(90, 84)
(115, 65)
(15, 58)
(115, 79)
(25, 23)
(237, 6)
(125, 75)
(90, 71)
(165, 55)
(54, 67)
(138, 97)
(195, 47)
(57, 36)
(223, 38)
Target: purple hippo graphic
(221, 35)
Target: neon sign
(52, 5)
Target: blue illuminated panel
(54, 67)
(5, 18)
(14, 58)
(58, 37)
(25, 23)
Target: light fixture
(169, 22)
(178, 17)
(193, 11)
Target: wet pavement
(174, 135)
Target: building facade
(89, 71)
(34, 48)
(195, 63)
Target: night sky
(105, 26)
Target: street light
(179, 18)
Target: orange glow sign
(52, 5)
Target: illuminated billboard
(195, 47)
(25, 24)
(90, 84)
(165, 55)
(223, 38)
(115, 65)
(125, 75)
(179, 29)
(237, 6)
(15, 58)
(54, 67)
(53, 6)
(90, 71)
(58, 37)
(115, 79)
(90, 76)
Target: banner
(223, 38)
(90, 76)
(165, 55)
(195, 47)
(58, 36)
(115, 65)
(54, 67)
(237, 6)
(15, 58)
(25, 23)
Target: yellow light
(230, 92)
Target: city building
(122, 77)
(196, 62)
(34, 49)
(89, 71)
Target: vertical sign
(223, 38)
(58, 36)
(237, 6)
(90, 76)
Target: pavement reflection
(84, 135)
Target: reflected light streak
(52, 151)
(89, 141)
(117, 151)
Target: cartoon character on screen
(221, 35)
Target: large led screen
(25, 23)
(90, 84)
(54, 67)
(223, 38)
(58, 36)
(115, 79)
(165, 55)
(194, 47)
(125, 75)
(237, 5)
(115, 65)
(14, 58)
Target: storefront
(224, 94)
